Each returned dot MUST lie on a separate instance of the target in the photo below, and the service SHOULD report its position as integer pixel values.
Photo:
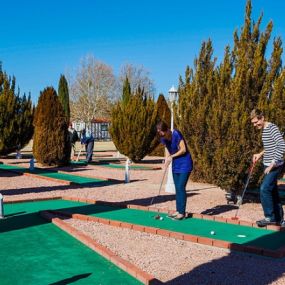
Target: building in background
(99, 128)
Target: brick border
(166, 211)
(177, 235)
(125, 265)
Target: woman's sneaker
(173, 215)
(282, 224)
(265, 222)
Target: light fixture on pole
(173, 93)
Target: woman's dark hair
(162, 126)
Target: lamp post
(173, 93)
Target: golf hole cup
(212, 233)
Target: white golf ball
(161, 218)
(213, 232)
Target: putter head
(157, 217)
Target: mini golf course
(53, 175)
(199, 230)
(34, 251)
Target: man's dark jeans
(89, 150)
(180, 181)
(269, 196)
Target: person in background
(273, 160)
(87, 139)
(182, 165)
(73, 137)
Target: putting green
(244, 235)
(37, 252)
(53, 174)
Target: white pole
(1, 207)
(170, 187)
(127, 171)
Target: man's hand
(268, 169)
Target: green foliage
(164, 114)
(16, 116)
(215, 103)
(51, 139)
(63, 96)
(133, 125)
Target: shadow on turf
(72, 279)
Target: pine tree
(63, 96)
(16, 116)
(133, 124)
(51, 140)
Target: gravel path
(172, 261)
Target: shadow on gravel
(235, 268)
(41, 189)
(157, 199)
(219, 209)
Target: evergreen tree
(164, 114)
(51, 140)
(126, 91)
(16, 116)
(63, 96)
(215, 103)
(195, 96)
(133, 124)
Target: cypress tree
(51, 140)
(195, 96)
(16, 116)
(215, 103)
(133, 124)
(63, 96)
(164, 114)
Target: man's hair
(256, 113)
(162, 126)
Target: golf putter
(79, 154)
(159, 186)
(239, 201)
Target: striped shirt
(274, 145)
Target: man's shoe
(265, 222)
(282, 224)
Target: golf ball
(212, 232)
(161, 218)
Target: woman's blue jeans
(180, 181)
(269, 196)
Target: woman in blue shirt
(182, 165)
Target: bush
(51, 138)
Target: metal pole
(170, 187)
(1, 207)
(127, 172)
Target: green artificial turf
(37, 252)
(263, 238)
(53, 174)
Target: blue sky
(39, 40)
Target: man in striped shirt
(273, 160)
